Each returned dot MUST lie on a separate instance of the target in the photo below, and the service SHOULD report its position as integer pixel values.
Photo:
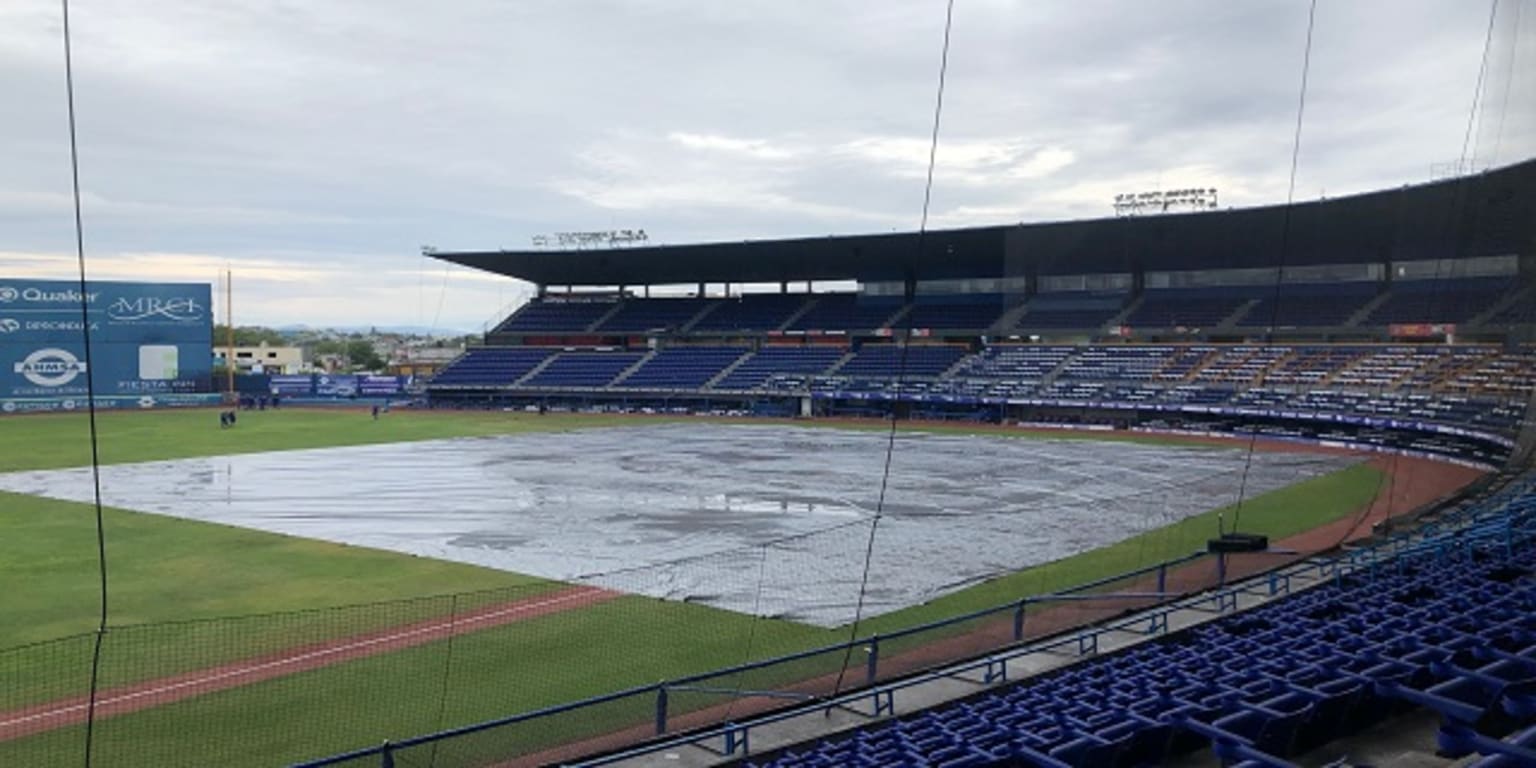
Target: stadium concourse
(1400, 322)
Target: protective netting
(283, 687)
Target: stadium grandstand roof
(1488, 214)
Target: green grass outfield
(170, 570)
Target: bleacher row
(1469, 385)
(1293, 305)
(1448, 624)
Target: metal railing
(1498, 522)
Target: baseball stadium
(1191, 485)
(1106, 492)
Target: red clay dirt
(152, 693)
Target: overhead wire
(905, 341)
(1285, 244)
(1388, 479)
(90, 395)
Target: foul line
(239, 670)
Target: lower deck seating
(583, 369)
(682, 367)
(893, 360)
(1475, 386)
(768, 361)
(1450, 629)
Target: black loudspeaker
(1238, 542)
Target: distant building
(264, 359)
(421, 361)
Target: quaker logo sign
(57, 313)
(49, 292)
(50, 367)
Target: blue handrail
(1481, 525)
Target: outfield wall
(150, 344)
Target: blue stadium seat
(1448, 627)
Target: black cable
(90, 391)
(1463, 162)
(757, 617)
(906, 344)
(1285, 244)
(1509, 80)
(1439, 277)
(442, 702)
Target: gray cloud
(335, 138)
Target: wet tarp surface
(767, 519)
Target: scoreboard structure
(150, 344)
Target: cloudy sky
(313, 146)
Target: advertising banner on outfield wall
(148, 340)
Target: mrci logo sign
(179, 310)
(50, 367)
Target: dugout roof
(1488, 214)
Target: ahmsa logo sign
(50, 367)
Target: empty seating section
(1240, 365)
(1386, 367)
(1077, 309)
(583, 369)
(751, 312)
(891, 361)
(978, 315)
(1521, 309)
(846, 312)
(652, 315)
(1439, 301)
(490, 367)
(1254, 306)
(1188, 307)
(1311, 366)
(682, 367)
(769, 361)
(1301, 305)
(1510, 374)
(555, 316)
(1118, 363)
(1182, 362)
(1023, 363)
(1448, 626)
(1470, 385)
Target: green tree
(363, 357)
(248, 336)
